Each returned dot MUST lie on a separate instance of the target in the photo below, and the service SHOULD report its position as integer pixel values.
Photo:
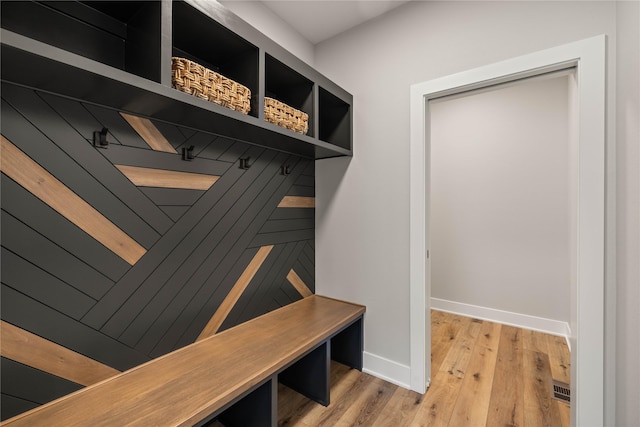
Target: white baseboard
(387, 370)
(400, 374)
(549, 326)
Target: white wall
(501, 208)
(268, 23)
(362, 203)
(628, 214)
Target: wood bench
(232, 376)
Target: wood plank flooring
(483, 374)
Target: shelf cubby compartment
(288, 86)
(334, 117)
(123, 35)
(118, 54)
(205, 41)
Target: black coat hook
(285, 170)
(187, 153)
(100, 138)
(244, 163)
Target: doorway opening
(502, 199)
(502, 227)
(587, 319)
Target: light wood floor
(483, 374)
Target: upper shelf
(118, 54)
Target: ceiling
(319, 20)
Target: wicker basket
(194, 79)
(281, 114)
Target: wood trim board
(39, 182)
(232, 297)
(149, 133)
(299, 284)
(297, 202)
(150, 177)
(31, 350)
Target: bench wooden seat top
(187, 385)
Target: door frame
(588, 56)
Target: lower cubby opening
(300, 386)
(292, 405)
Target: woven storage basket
(281, 114)
(194, 79)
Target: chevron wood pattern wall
(114, 256)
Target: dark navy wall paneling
(39, 284)
(36, 317)
(48, 223)
(71, 291)
(18, 380)
(51, 258)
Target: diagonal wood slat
(232, 297)
(53, 325)
(31, 350)
(149, 133)
(299, 284)
(297, 202)
(150, 177)
(35, 179)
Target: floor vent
(561, 391)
